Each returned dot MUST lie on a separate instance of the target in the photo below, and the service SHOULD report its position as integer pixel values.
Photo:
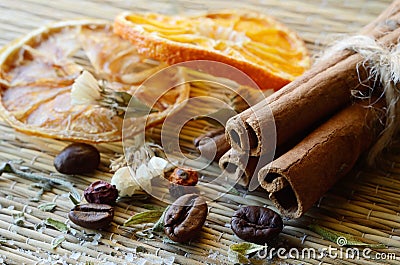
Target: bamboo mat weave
(366, 203)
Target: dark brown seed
(92, 215)
(256, 224)
(101, 192)
(77, 158)
(185, 218)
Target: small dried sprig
(8, 167)
(86, 90)
(348, 240)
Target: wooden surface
(364, 204)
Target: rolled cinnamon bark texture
(212, 145)
(315, 96)
(239, 167)
(298, 178)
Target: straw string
(383, 65)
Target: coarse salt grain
(75, 255)
(129, 257)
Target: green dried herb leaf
(60, 226)
(232, 190)
(57, 241)
(73, 199)
(141, 249)
(18, 218)
(342, 239)
(237, 252)
(159, 225)
(6, 168)
(47, 207)
(3, 241)
(137, 108)
(144, 217)
(122, 97)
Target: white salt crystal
(75, 255)
(169, 260)
(141, 261)
(129, 257)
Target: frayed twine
(383, 65)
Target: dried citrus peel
(38, 71)
(270, 53)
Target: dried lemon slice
(38, 72)
(270, 53)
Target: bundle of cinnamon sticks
(319, 129)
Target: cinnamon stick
(212, 145)
(297, 179)
(311, 98)
(239, 167)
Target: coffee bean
(77, 158)
(185, 218)
(92, 215)
(101, 192)
(256, 224)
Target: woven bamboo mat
(365, 204)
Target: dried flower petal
(124, 183)
(85, 90)
(128, 184)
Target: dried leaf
(47, 207)
(18, 218)
(60, 226)
(232, 190)
(57, 241)
(5, 168)
(144, 217)
(141, 249)
(159, 225)
(342, 239)
(237, 252)
(74, 199)
(137, 108)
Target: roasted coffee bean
(185, 218)
(92, 215)
(77, 158)
(101, 192)
(256, 224)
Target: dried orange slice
(270, 53)
(38, 71)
